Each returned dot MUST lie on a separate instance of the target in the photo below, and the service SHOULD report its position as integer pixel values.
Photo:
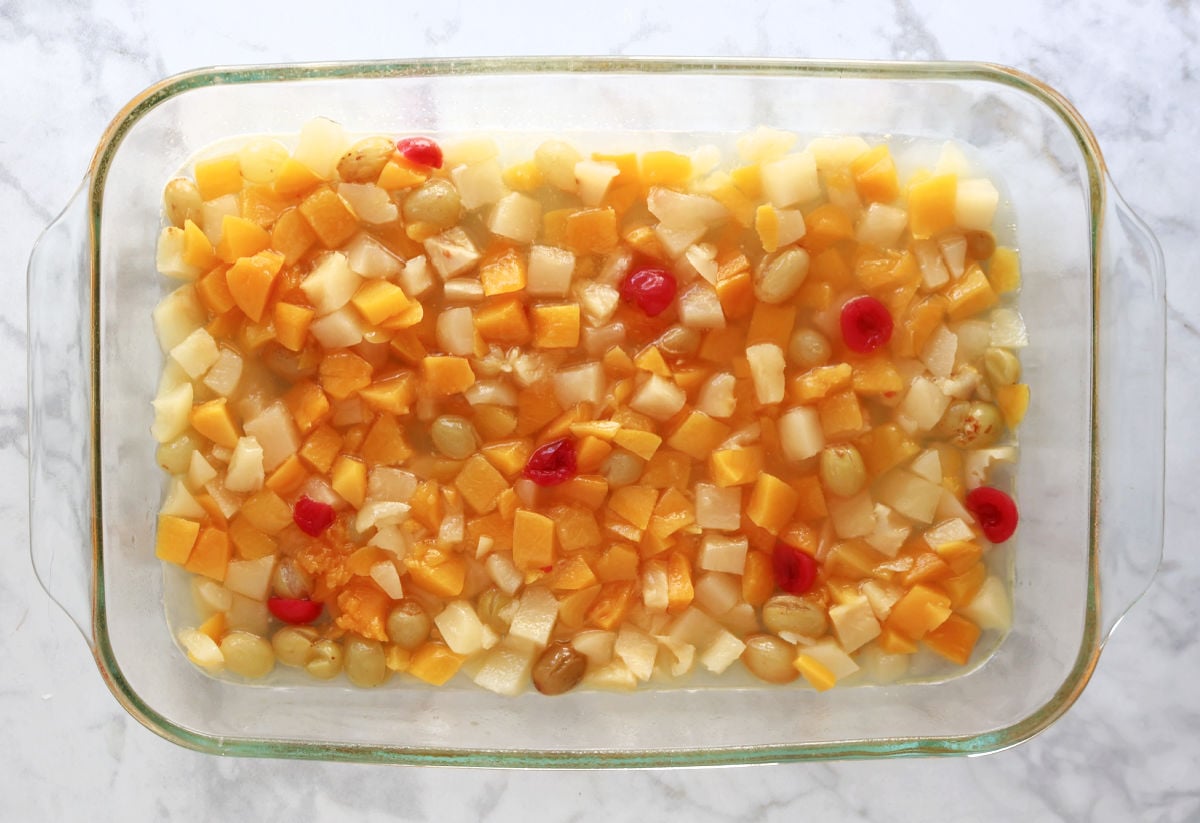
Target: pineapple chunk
(854, 624)
(460, 627)
(658, 398)
(800, 433)
(245, 473)
(517, 217)
(767, 365)
(549, 272)
(331, 284)
(791, 179)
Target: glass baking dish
(1090, 474)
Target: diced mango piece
(251, 543)
(522, 176)
(666, 168)
(642, 443)
(1004, 270)
(959, 555)
(954, 640)
(288, 476)
(618, 562)
(394, 395)
(573, 574)
(320, 449)
(612, 603)
(816, 673)
(970, 295)
(295, 178)
(443, 576)
(445, 375)
(875, 175)
(329, 216)
(697, 435)
(213, 291)
(922, 609)
(250, 280)
(758, 578)
(841, 415)
(504, 274)
(503, 321)
(893, 642)
(1013, 402)
(771, 504)
(771, 324)
(218, 176)
(385, 444)
(241, 238)
(291, 236)
(735, 467)
(877, 376)
(591, 231)
(377, 300)
(556, 326)
(810, 498)
(308, 404)
(267, 512)
(342, 373)
(819, 382)
(824, 226)
(480, 484)
(291, 325)
(210, 555)
(214, 626)
(533, 540)
(349, 480)
(962, 588)
(175, 538)
(510, 456)
(634, 503)
(931, 205)
(434, 663)
(197, 250)
(398, 174)
(214, 420)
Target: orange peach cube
(556, 326)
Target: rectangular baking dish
(1090, 474)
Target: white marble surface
(1129, 750)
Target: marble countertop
(1128, 750)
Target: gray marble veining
(1129, 750)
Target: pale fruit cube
(390, 538)
(1008, 329)
(461, 627)
(924, 404)
(723, 553)
(549, 273)
(990, 608)
(245, 472)
(452, 253)
(975, 204)
(677, 240)
(463, 290)
(700, 308)
(694, 628)
(719, 508)
(949, 507)
(200, 471)
(682, 656)
(517, 217)
(339, 329)
(225, 373)
(596, 645)
(677, 210)
(500, 568)
(213, 214)
(202, 650)
(890, 532)
(717, 398)
(881, 596)
(767, 365)
(469, 150)
(912, 496)
(703, 258)
(951, 530)
(506, 667)
(535, 617)
(417, 277)
(852, 516)
(331, 284)
(790, 226)
(276, 433)
(800, 433)
(854, 623)
(954, 254)
(169, 255)
(881, 225)
(211, 596)
(556, 160)
(934, 273)
(369, 203)
(386, 483)
(637, 650)
(598, 301)
(250, 578)
(951, 160)
(380, 514)
(717, 592)
(615, 675)
(655, 587)
(456, 331)
(172, 411)
(927, 464)
(791, 179)
(322, 144)
(176, 316)
(974, 337)
(882, 667)
(722, 653)
(369, 259)
(491, 393)
(835, 152)
(248, 614)
(479, 184)
(593, 178)
(579, 384)
(830, 655)
(387, 578)
(764, 145)
(180, 503)
(658, 398)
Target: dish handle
(1131, 395)
(61, 506)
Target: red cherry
(294, 610)
(795, 571)
(312, 516)
(995, 512)
(866, 324)
(552, 463)
(421, 151)
(652, 289)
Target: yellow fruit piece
(291, 236)
(321, 448)
(364, 609)
(573, 574)
(602, 429)
(342, 373)
(962, 588)
(480, 484)
(680, 591)
(618, 562)
(377, 300)
(175, 538)
(349, 480)
(400, 175)
(291, 325)
(893, 642)
(397, 658)
(210, 556)
(960, 555)
(611, 604)
(650, 359)
(446, 375)
(503, 275)
(931, 205)
(250, 280)
(771, 324)
(197, 250)
(852, 559)
(722, 189)
(758, 578)
(445, 578)
(494, 422)
(510, 456)
(810, 501)
(771, 503)
(308, 404)
(880, 271)
(912, 333)
(970, 295)
(503, 321)
(212, 509)
(214, 626)
(288, 476)
(824, 226)
(1004, 270)
(218, 176)
(295, 179)
(214, 420)
(556, 326)
(673, 513)
(262, 205)
(955, 639)
(589, 490)
(591, 231)
(635, 504)
(1013, 402)
(735, 467)
(875, 175)
(576, 528)
(642, 443)
(241, 238)
(533, 540)
(877, 376)
(922, 609)
(818, 383)
(251, 543)
(573, 608)
(522, 176)
(698, 435)
(644, 241)
(385, 444)
(329, 216)
(394, 396)
(816, 673)
(267, 512)
(213, 291)
(841, 415)
(666, 168)
(766, 225)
